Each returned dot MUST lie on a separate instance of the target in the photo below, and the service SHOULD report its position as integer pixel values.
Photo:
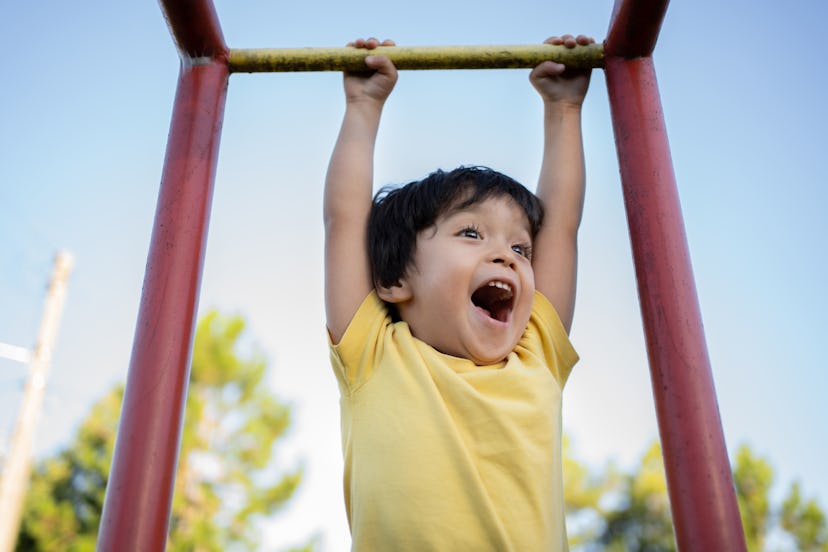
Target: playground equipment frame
(139, 492)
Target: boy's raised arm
(561, 182)
(349, 189)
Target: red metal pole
(140, 487)
(195, 28)
(634, 27)
(700, 483)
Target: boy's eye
(470, 232)
(522, 249)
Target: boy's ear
(398, 292)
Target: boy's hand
(554, 82)
(377, 82)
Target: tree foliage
(753, 477)
(805, 521)
(640, 519)
(63, 506)
(631, 512)
(226, 480)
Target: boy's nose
(502, 258)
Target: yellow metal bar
(413, 57)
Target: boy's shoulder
(546, 335)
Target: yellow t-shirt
(444, 455)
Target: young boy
(449, 302)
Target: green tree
(225, 482)
(66, 493)
(753, 477)
(640, 520)
(584, 490)
(804, 521)
(616, 511)
(631, 512)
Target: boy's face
(469, 291)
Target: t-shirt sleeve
(353, 357)
(545, 335)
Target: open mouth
(495, 298)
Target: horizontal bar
(277, 60)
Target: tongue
(500, 309)
(494, 301)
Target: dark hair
(398, 214)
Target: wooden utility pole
(18, 465)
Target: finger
(547, 69)
(388, 42)
(554, 40)
(584, 40)
(569, 41)
(380, 64)
(374, 62)
(372, 43)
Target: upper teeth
(501, 285)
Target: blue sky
(85, 105)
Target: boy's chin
(480, 356)
(490, 355)
(489, 361)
